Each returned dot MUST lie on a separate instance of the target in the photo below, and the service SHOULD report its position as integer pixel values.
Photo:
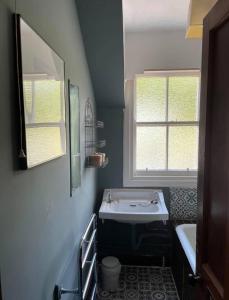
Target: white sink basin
(133, 205)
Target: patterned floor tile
(159, 295)
(131, 277)
(132, 294)
(145, 295)
(143, 283)
(157, 286)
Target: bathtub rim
(186, 244)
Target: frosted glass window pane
(183, 98)
(183, 147)
(150, 99)
(47, 101)
(28, 99)
(150, 148)
(43, 144)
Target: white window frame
(133, 178)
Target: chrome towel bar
(92, 222)
(85, 289)
(88, 279)
(90, 243)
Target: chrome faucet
(109, 200)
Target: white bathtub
(187, 236)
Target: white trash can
(111, 269)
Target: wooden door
(213, 181)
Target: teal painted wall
(40, 225)
(102, 27)
(112, 175)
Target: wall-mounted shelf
(95, 144)
(89, 164)
(97, 124)
(93, 158)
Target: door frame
(216, 17)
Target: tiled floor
(143, 283)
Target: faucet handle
(154, 201)
(108, 200)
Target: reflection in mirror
(43, 99)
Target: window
(44, 118)
(161, 130)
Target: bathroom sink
(133, 206)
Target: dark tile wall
(135, 244)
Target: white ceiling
(145, 15)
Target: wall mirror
(74, 127)
(41, 98)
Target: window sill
(161, 181)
